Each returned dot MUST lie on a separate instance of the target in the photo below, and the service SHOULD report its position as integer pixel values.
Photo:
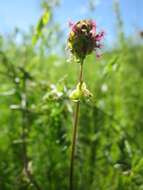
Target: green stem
(74, 137)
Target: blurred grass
(34, 95)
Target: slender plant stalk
(74, 137)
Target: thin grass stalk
(74, 136)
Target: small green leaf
(45, 18)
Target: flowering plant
(84, 39)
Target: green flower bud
(81, 92)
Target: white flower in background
(104, 88)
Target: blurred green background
(36, 115)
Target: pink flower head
(83, 38)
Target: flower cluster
(83, 38)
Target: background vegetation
(36, 113)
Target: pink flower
(93, 23)
(99, 36)
(73, 26)
(83, 38)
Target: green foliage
(36, 112)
